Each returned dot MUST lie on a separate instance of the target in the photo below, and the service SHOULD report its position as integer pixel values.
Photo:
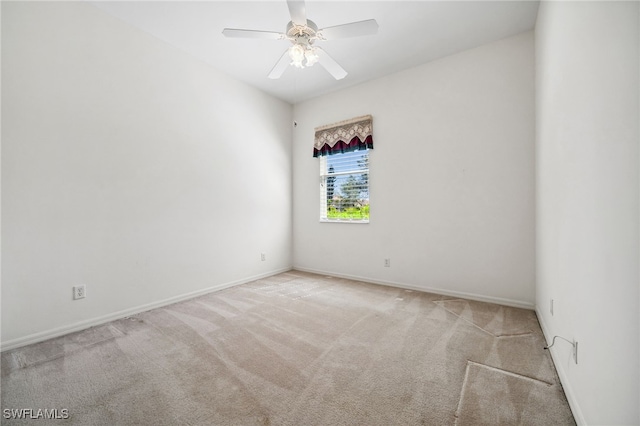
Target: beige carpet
(297, 349)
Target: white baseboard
(566, 385)
(460, 294)
(92, 322)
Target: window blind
(344, 187)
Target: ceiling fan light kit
(302, 33)
(302, 38)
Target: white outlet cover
(79, 292)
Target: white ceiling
(410, 33)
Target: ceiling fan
(303, 33)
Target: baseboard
(460, 294)
(564, 380)
(92, 322)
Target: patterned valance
(345, 136)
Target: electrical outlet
(79, 292)
(263, 257)
(551, 307)
(387, 263)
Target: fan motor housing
(302, 34)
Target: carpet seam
(509, 373)
(438, 302)
(463, 387)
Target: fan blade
(232, 32)
(280, 66)
(297, 11)
(330, 65)
(353, 29)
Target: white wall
(587, 57)
(131, 167)
(452, 177)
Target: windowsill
(343, 221)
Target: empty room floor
(296, 349)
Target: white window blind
(344, 187)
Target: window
(344, 187)
(343, 150)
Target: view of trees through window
(344, 188)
